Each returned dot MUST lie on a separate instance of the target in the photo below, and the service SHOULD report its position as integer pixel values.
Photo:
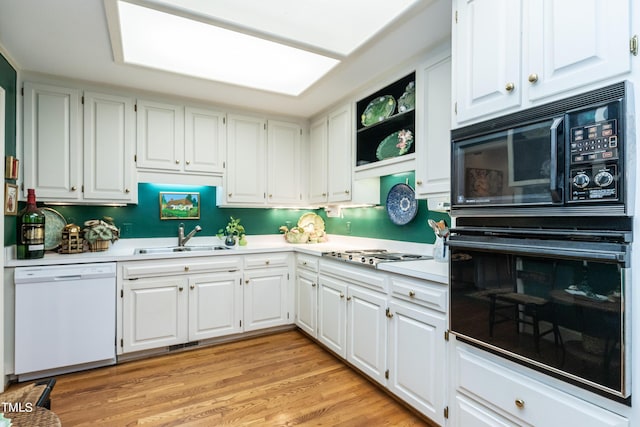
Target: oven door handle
(556, 193)
(537, 249)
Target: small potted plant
(232, 231)
(99, 232)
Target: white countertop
(423, 269)
(123, 250)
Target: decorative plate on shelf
(378, 110)
(394, 145)
(54, 223)
(408, 99)
(402, 206)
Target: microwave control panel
(594, 162)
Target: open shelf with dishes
(385, 128)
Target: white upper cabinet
(246, 153)
(318, 161)
(204, 140)
(263, 163)
(433, 98)
(284, 145)
(160, 133)
(52, 142)
(572, 43)
(180, 144)
(339, 167)
(55, 148)
(486, 49)
(510, 54)
(109, 141)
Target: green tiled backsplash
(143, 219)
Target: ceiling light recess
(151, 38)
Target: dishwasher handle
(64, 273)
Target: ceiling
(70, 38)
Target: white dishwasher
(65, 318)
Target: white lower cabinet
(417, 357)
(307, 294)
(486, 393)
(268, 300)
(390, 327)
(170, 302)
(332, 314)
(367, 331)
(215, 305)
(154, 313)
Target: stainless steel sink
(174, 249)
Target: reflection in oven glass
(565, 314)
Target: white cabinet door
(417, 358)
(246, 151)
(265, 298)
(332, 314)
(154, 313)
(52, 142)
(215, 305)
(307, 301)
(204, 140)
(486, 47)
(318, 161)
(339, 164)
(160, 135)
(433, 83)
(284, 142)
(109, 145)
(519, 53)
(367, 332)
(571, 43)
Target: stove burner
(372, 257)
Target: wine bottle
(30, 229)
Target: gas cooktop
(372, 257)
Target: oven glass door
(513, 167)
(551, 305)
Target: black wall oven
(555, 298)
(540, 261)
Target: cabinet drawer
(307, 262)
(525, 398)
(421, 292)
(363, 276)
(135, 270)
(266, 260)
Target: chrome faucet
(182, 239)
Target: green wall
(143, 219)
(8, 81)
(374, 221)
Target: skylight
(281, 46)
(164, 41)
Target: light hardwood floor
(277, 380)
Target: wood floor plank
(283, 379)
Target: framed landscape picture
(175, 205)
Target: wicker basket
(71, 240)
(99, 245)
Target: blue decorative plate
(402, 206)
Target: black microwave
(562, 158)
